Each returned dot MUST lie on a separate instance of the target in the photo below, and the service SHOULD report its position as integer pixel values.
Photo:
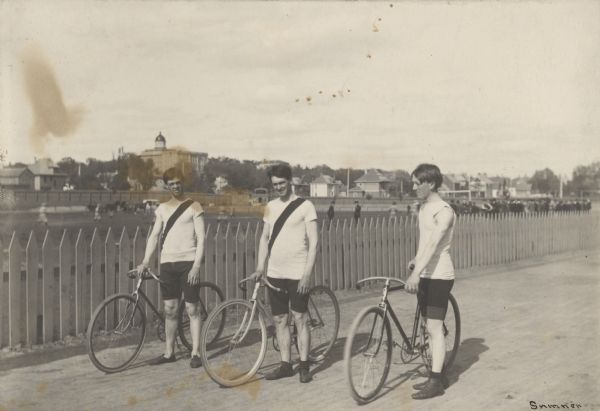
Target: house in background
(456, 182)
(16, 178)
(373, 183)
(520, 187)
(481, 186)
(191, 162)
(46, 175)
(299, 187)
(325, 186)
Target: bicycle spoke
(116, 333)
(237, 353)
(368, 354)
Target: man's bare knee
(300, 318)
(193, 309)
(171, 307)
(280, 320)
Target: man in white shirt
(291, 261)
(432, 271)
(180, 259)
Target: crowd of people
(499, 206)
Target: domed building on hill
(165, 158)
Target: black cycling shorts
(175, 277)
(281, 302)
(433, 297)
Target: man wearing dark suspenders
(289, 242)
(179, 230)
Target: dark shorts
(175, 277)
(433, 297)
(281, 302)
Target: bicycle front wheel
(451, 330)
(116, 333)
(368, 354)
(323, 320)
(210, 296)
(237, 353)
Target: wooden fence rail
(50, 288)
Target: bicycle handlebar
(361, 282)
(146, 275)
(263, 280)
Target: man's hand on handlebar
(257, 275)
(141, 269)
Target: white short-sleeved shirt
(180, 244)
(440, 265)
(290, 250)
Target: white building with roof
(373, 183)
(325, 186)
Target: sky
(505, 88)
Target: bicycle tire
(219, 363)
(322, 316)
(114, 345)
(210, 297)
(451, 335)
(378, 335)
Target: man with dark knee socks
(432, 275)
(289, 242)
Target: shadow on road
(467, 355)
(336, 354)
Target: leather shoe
(305, 375)
(162, 360)
(195, 362)
(285, 370)
(433, 388)
(421, 385)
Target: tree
(586, 178)
(401, 184)
(545, 182)
(140, 170)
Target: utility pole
(348, 183)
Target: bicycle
(370, 338)
(117, 328)
(236, 356)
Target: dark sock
(304, 364)
(286, 365)
(435, 375)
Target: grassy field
(23, 223)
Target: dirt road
(530, 337)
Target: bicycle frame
(257, 304)
(137, 293)
(385, 305)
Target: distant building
(16, 178)
(165, 158)
(299, 187)
(456, 182)
(46, 175)
(520, 188)
(373, 183)
(325, 186)
(481, 186)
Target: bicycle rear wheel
(451, 335)
(210, 296)
(238, 351)
(368, 354)
(323, 320)
(116, 333)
